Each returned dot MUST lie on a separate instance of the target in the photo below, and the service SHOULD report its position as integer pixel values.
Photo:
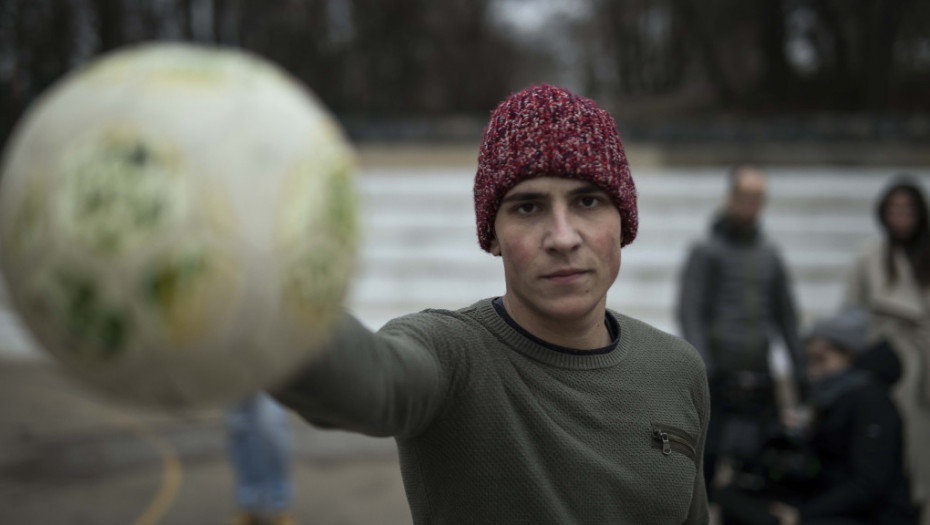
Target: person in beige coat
(891, 279)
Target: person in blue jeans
(259, 443)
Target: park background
(830, 96)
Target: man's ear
(495, 247)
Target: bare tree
(370, 57)
(110, 19)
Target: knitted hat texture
(549, 131)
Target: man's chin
(570, 309)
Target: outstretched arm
(385, 384)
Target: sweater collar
(610, 322)
(521, 341)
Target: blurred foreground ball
(178, 223)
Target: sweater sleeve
(376, 384)
(874, 462)
(692, 302)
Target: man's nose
(562, 234)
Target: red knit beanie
(549, 131)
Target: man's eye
(526, 208)
(589, 201)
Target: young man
(540, 406)
(735, 295)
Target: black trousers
(743, 416)
(738, 507)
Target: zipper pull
(666, 446)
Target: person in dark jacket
(735, 295)
(854, 440)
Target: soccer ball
(178, 224)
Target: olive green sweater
(494, 428)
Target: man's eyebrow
(524, 196)
(587, 188)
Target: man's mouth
(565, 275)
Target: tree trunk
(704, 40)
(880, 26)
(110, 24)
(186, 22)
(779, 76)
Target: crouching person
(852, 471)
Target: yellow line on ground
(172, 471)
(172, 474)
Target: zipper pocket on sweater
(669, 438)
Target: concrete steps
(420, 249)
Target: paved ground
(69, 457)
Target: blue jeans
(260, 449)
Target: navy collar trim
(613, 328)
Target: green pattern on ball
(314, 280)
(75, 303)
(26, 231)
(168, 283)
(119, 191)
(342, 207)
(189, 290)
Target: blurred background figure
(845, 467)
(735, 293)
(260, 450)
(891, 279)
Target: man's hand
(797, 418)
(786, 514)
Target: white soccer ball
(178, 223)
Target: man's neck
(587, 332)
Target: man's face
(560, 244)
(747, 197)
